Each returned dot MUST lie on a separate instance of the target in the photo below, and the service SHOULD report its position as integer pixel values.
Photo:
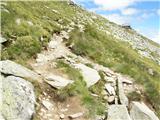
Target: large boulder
(90, 75)
(139, 111)
(118, 112)
(11, 68)
(57, 81)
(18, 99)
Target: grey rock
(122, 96)
(139, 111)
(111, 99)
(11, 68)
(30, 23)
(150, 71)
(110, 79)
(110, 89)
(65, 35)
(18, 21)
(99, 117)
(118, 112)
(57, 81)
(55, 11)
(18, 100)
(76, 115)
(62, 116)
(2, 40)
(90, 75)
(47, 104)
(126, 80)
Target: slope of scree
(27, 28)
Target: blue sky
(142, 15)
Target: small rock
(109, 79)
(110, 89)
(95, 95)
(47, 104)
(65, 34)
(73, 116)
(150, 71)
(100, 117)
(44, 93)
(64, 110)
(62, 116)
(18, 21)
(53, 44)
(104, 92)
(111, 99)
(30, 23)
(55, 11)
(126, 81)
(60, 21)
(2, 40)
(105, 97)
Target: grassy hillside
(120, 57)
(26, 23)
(28, 26)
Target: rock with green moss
(18, 101)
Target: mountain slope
(29, 26)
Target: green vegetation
(134, 96)
(79, 88)
(119, 56)
(28, 26)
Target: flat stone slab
(139, 111)
(11, 68)
(118, 112)
(90, 75)
(57, 81)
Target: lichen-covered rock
(11, 68)
(18, 101)
(139, 111)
